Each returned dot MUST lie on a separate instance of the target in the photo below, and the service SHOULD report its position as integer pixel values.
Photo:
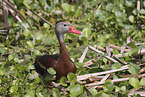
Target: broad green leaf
(123, 88)
(1, 72)
(134, 69)
(87, 32)
(26, 4)
(35, 6)
(12, 56)
(55, 92)
(129, 4)
(144, 3)
(37, 52)
(109, 6)
(45, 25)
(49, 77)
(131, 18)
(142, 11)
(38, 36)
(66, 7)
(75, 90)
(18, 2)
(142, 81)
(47, 41)
(58, 12)
(93, 91)
(63, 81)
(105, 95)
(27, 57)
(40, 94)
(78, 64)
(15, 82)
(14, 89)
(2, 50)
(116, 66)
(30, 43)
(40, 88)
(105, 60)
(108, 85)
(117, 89)
(27, 32)
(78, 12)
(51, 71)
(134, 82)
(133, 51)
(131, 44)
(72, 78)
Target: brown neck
(63, 50)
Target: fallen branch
(119, 48)
(116, 80)
(98, 51)
(86, 76)
(83, 55)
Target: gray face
(62, 27)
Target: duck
(61, 63)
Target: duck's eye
(64, 25)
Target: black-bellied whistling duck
(61, 63)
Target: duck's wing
(43, 62)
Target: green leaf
(116, 66)
(72, 78)
(129, 4)
(26, 4)
(131, 18)
(123, 88)
(78, 12)
(55, 92)
(14, 89)
(47, 41)
(1, 72)
(27, 32)
(79, 65)
(37, 52)
(27, 57)
(142, 11)
(75, 90)
(133, 51)
(63, 80)
(2, 50)
(134, 82)
(66, 7)
(108, 85)
(35, 6)
(93, 91)
(131, 44)
(30, 43)
(117, 89)
(51, 71)
(134, 69)
(40, 88)
(104, 95)
(109, 6)
(12, 56)
(87, 32)
(142, 81)
(38, 36)
(40, 94)
(58, 12)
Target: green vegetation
(110, 55)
